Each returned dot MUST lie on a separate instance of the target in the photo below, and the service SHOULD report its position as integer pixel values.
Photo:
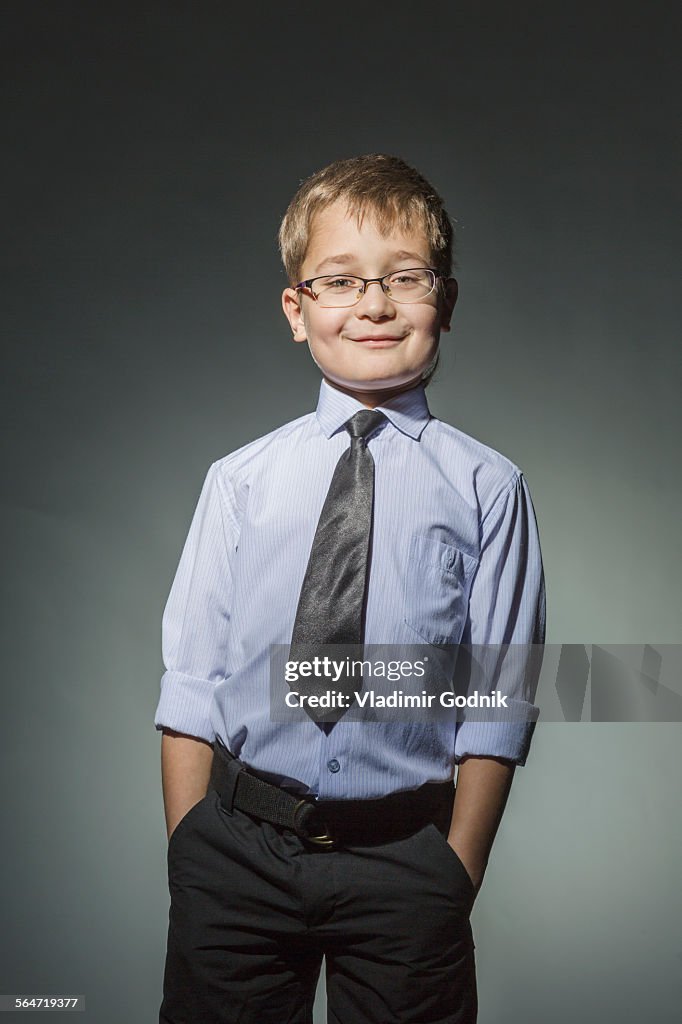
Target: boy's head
(368, 217)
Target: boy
(330, 836)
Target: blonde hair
(385, 187)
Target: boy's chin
(364, 376)
(402, 378)
(375, 385)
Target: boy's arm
(185, 771)
(483, 785)
(506, 627)
(194, 641)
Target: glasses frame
(366, 281)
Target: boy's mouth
(378, 340)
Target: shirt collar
(408, 411)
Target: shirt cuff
(185, 705)
(510, 740)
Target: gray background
(150, 152)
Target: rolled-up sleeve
(196, 618)
(507, 607)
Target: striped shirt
(455, 559)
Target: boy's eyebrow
(346, 257)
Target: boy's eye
(339, 282)
(404, 279)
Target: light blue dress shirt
(455, 559)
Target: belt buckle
(324, 839)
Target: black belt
(329, 823)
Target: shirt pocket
(437, 585)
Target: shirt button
(333, 765)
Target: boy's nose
(374, 302)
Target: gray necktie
(332, 602)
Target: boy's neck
(371, 399)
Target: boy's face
(377, 347)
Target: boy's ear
(450, 293)
(291, 304)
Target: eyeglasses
(337, 290)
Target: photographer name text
(395, 699)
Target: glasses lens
(338, 290)
(411, 285)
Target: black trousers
(254, 908)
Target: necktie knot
(364, 423)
